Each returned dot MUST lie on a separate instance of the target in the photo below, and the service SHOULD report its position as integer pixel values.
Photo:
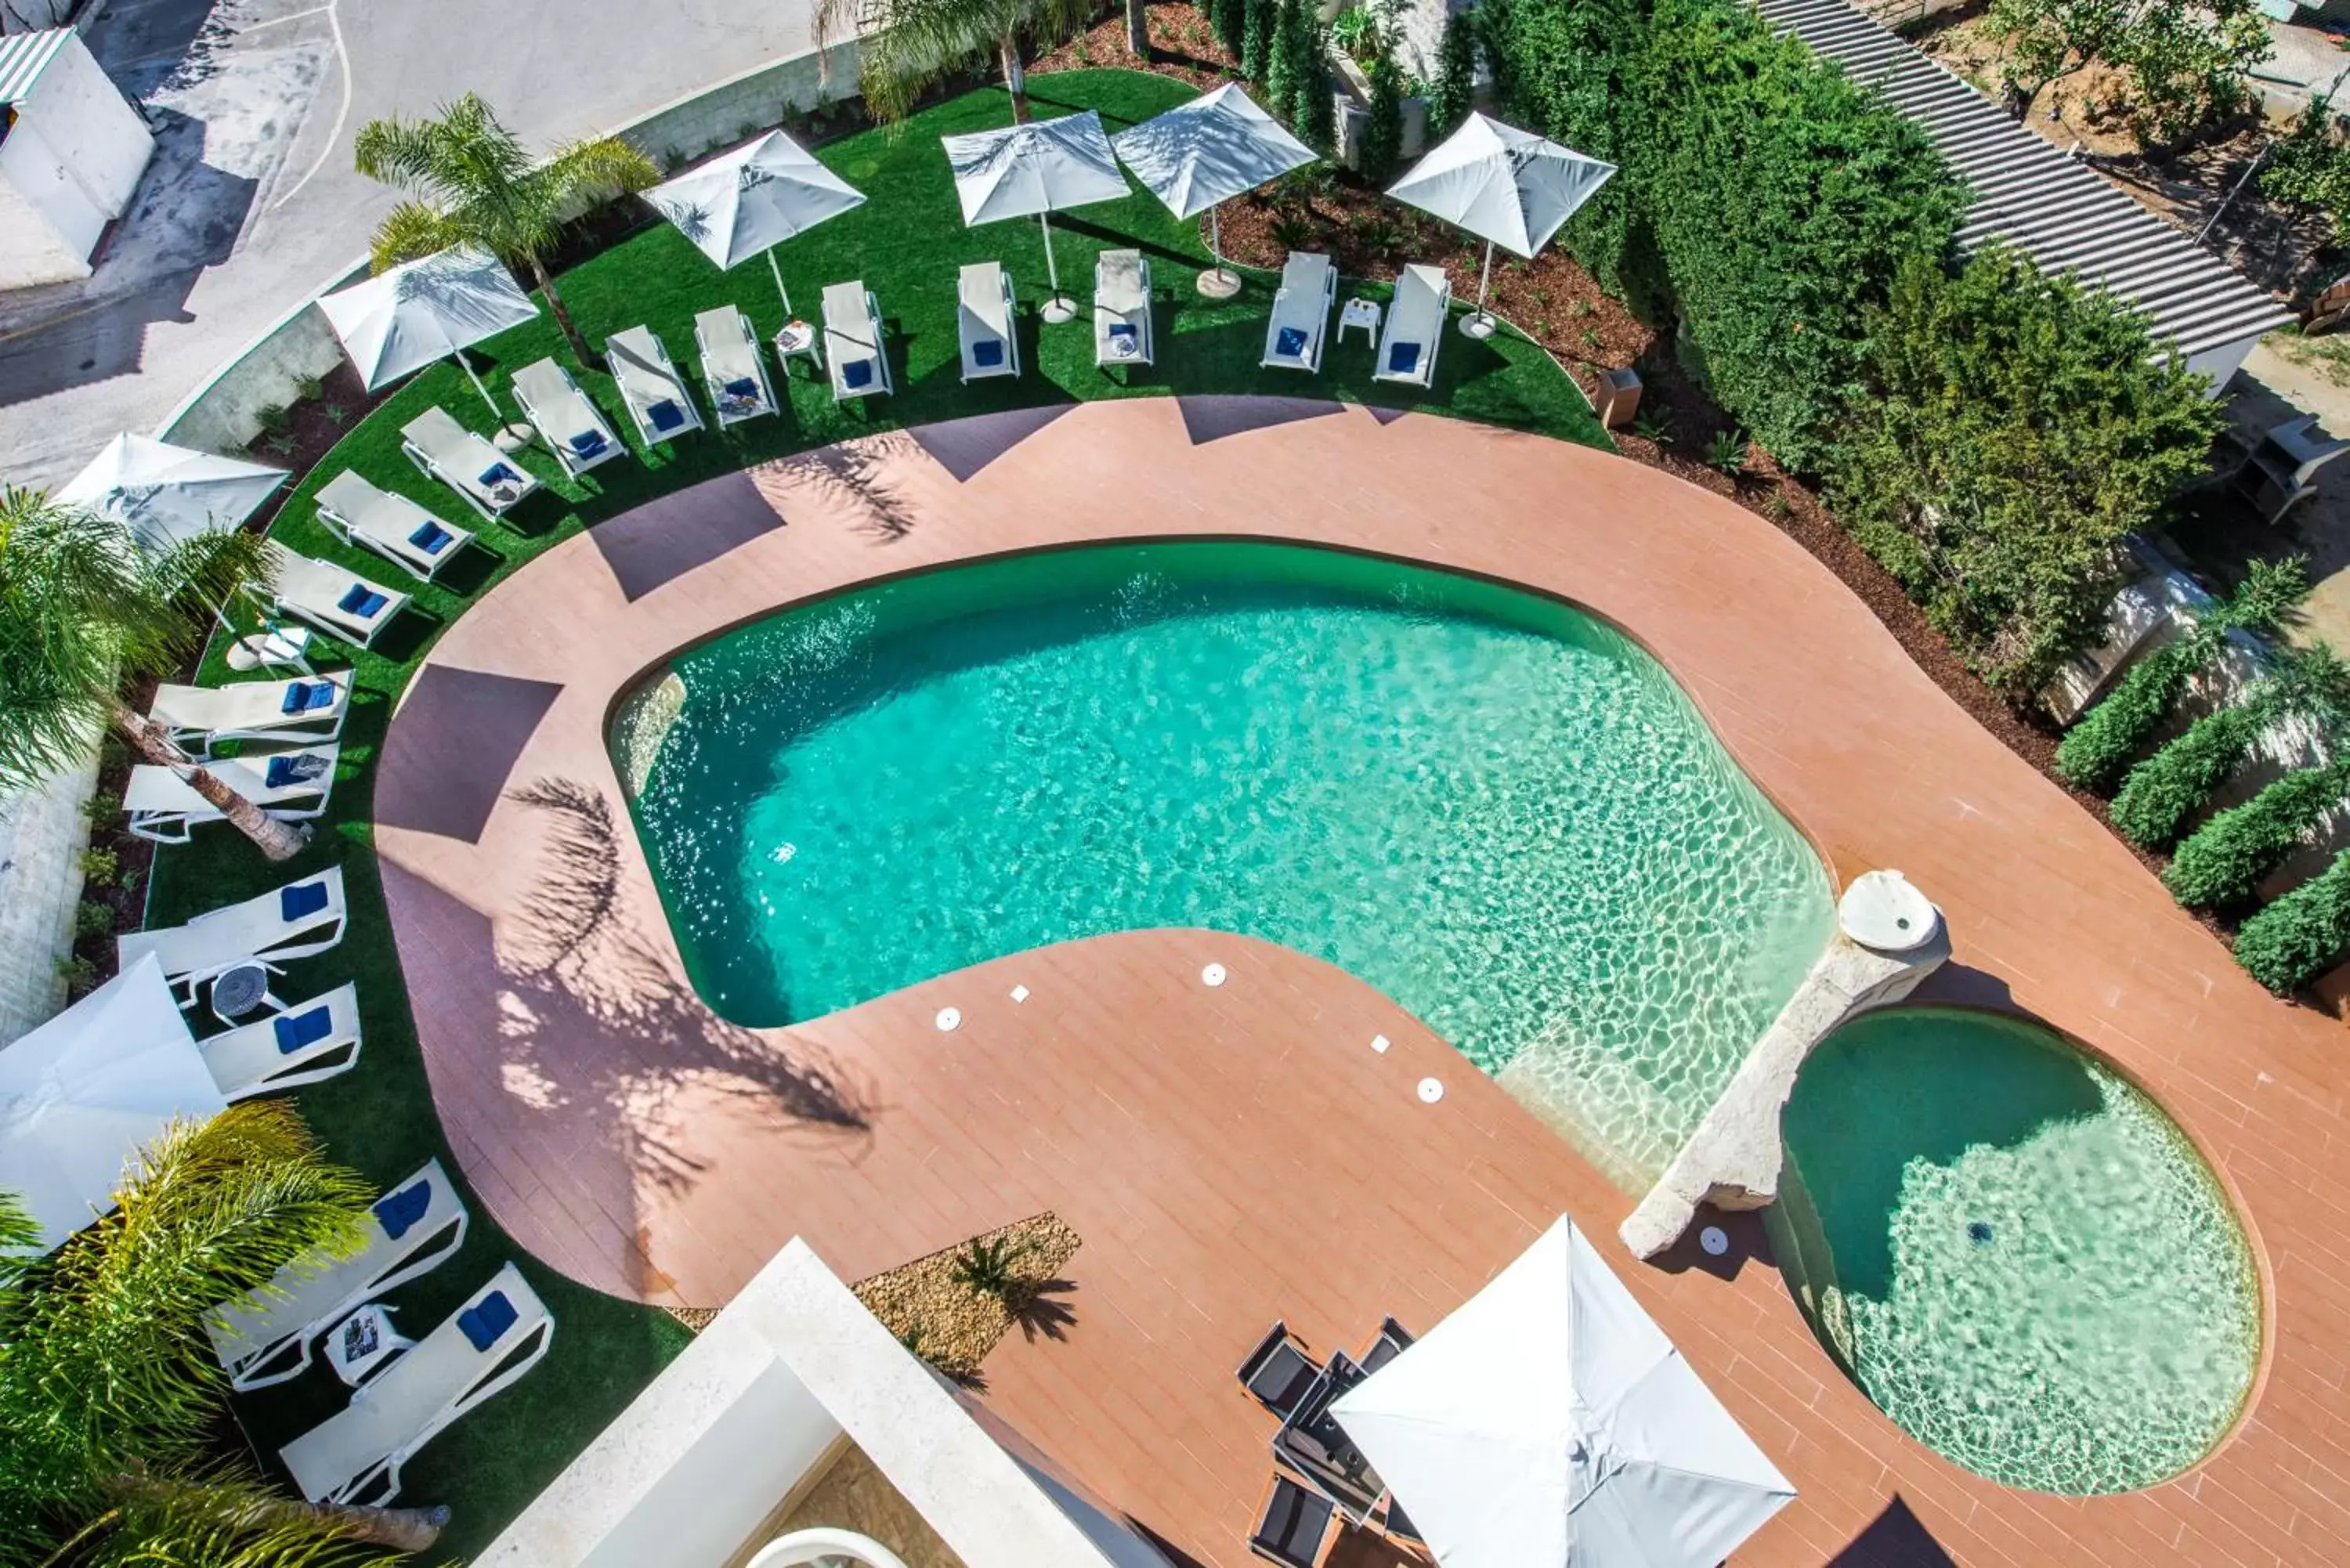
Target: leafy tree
(82, 610)
(2297, 938)
(469, 182)
(1382, 142)
(2222, 862)
(111, 1402)
(2110, 735)
(2185, 60)
(1456, 77)
(2163, 792)
(908, 46)
(2309, 167)
(2008, 431)
(1259, 37)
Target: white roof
(1503, 184)
(1042, 166)
(23, 57)
(163, 494)
(1208, 150)
(753, 199)
(85, 1092)
(1548, 1422)
(419, 311)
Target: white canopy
(1218, 146)
(164, 493)
(1038, 167)
(1548, 1423)
(86, 1092)
(752, 200)
(1503, 184)
(419, 311)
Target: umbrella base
(1057, 309)
(1479, 325)
(512, 437)
(1219, 283)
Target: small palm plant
(986, 1268)
(910, 46)
(112, 1403)
(82, 610)
(1727, 452)
(469, 182)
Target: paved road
(253, 200)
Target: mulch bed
(953, 1326)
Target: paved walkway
(1235, 1155)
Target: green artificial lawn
(906, 243)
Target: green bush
(1283, 58)
(1450, 101)
(101, 868)
(2109, 737)
(2309, 167)
(1230, 19)
(1259, 27)
(2222, 862)
(1317, 115)
(1382, 142)
(2170, 786)
(2010, 430)
(2297, 939)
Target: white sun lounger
(335, 600)
(304, 1043)
(354, 1456)
(853, 350)
(1301, 310)
(307, 709)
(294, 921)
(732, 369)
(564, 418)
(360, 513)
(266, 1337)
(491, 483)
(983, 316)
(291, 785)
(651, 386)
(1122, 309)
(1423, 296)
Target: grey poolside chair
(1277, 1374)
(1296, 1526)
(490, 482)
(364, 514)
(1301, 312)
(983, 322)
(1122, 309)
(651, 386)
(853, 347)
(573, 428)
(1423, 296)
(732, 369)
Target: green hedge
(2169, 787)
(2108, 738)
(2222, 862)
(2297, 939)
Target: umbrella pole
(1480, 323)
(1219, 282)
(1056, 308)
(510, 438)
(777, 268)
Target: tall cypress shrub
(1317, 115)
(1257, 38)
(2222, 862)
(1382, 142)
(1281, 68)
(1230, 20)
(1451, 97)
(1573, 69)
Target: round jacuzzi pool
(2014, 1251)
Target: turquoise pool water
(1492, 807)
(2017, 1254)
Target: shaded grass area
(906, 243)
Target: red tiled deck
(1230, 1156)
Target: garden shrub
(2309, 167)
(2108, 738)
(1452, 94)
(1318, 116)
(1568, 69)
(2297, 938)
(1261, 22)
(2009, 431)
(2169, 787)
(1230, 19)
(1280, 58)
(1382, 142)
(2222, 862)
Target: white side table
(274, 647)
(797, 339)
(1363, 313)
(240, 990)
(358, 1347)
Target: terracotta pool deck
(1234, 1154)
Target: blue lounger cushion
(396, 1211)
(303, 696)
(300, 901)
(665, 415)
(361, 601)
(587, 443)
(488, 1318)
(857, 372)
(497, 473)
(309, 1029)
(987, 355)
(431, 538)
(1290, 344)
(1403, 359)
(298, 768)
(745, 388)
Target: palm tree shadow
(859, 478)
(1041, 1314)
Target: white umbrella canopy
(419, 311)
(1035, 169)
(165, 493)
(84, 1093)
(1549, 1423)
(752, 200)
(1202, 153)
(1508, 187)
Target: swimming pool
(1491, 806)
(2014, 1251)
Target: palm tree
(112, 1403)
(82, 609)
(910, 45)
(469, 182)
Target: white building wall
(104, 143)
(48, 225)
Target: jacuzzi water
(2017, 1254)
(1492, 807)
